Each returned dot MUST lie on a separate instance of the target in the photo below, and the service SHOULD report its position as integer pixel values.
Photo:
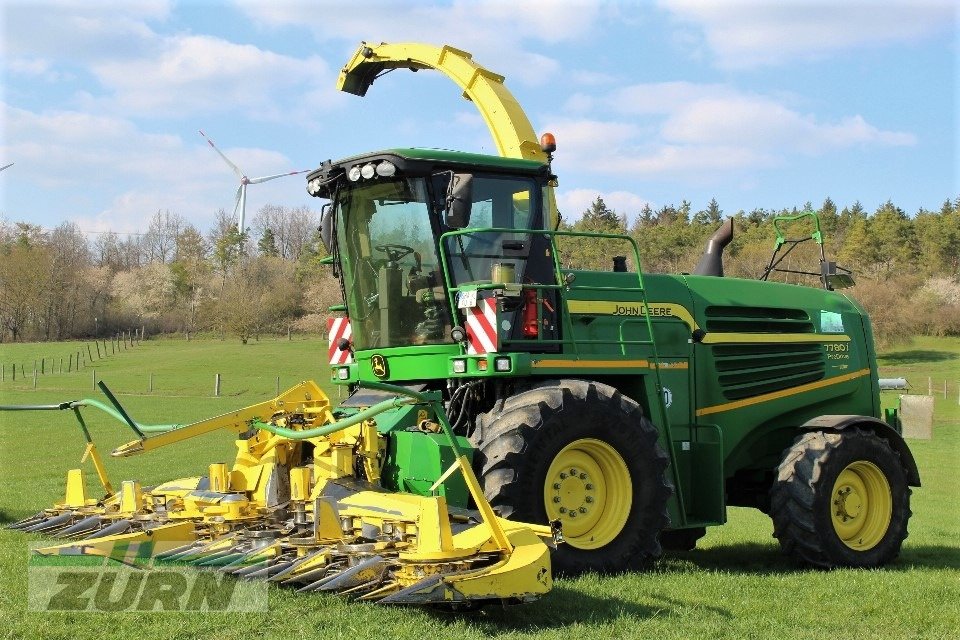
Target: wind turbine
(241, 202)
(6, 166)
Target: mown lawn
(735, 585)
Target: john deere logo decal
(379, 365)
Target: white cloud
(207, 74)
(34, 67)
(87, 158)
(765, 124)
(78, 31)
(754, 33)
(496, 32)
(701, 132)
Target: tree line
(907, 268)
(59, 284)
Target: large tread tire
(803, 498)
(519, 439)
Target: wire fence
(86, 355)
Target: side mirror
(326, 227)
(459, 201)
(835, 277)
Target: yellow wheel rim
(588, 489)
(861, 505)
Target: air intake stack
(711, 262)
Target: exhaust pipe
(711, 262)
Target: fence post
(61, 364)
(3, 373)
(929, 385)
(944, 389)
(216, 385)
(34, 377)
(150, 385)
(88, 352)
(93, 379)
(70, 364)
(43, 366)
(98, 349)
(113, 348)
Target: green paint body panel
(727, 369)
(416, 460)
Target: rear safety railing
(561, 287)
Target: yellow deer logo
(379, 365)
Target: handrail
(817, 234)
(560, 288)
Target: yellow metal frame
(506, 120)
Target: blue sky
(759, 104)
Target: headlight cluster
(383, 169)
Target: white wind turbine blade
(279, 175)
(6, 166)
(236, 202)
(235, 168)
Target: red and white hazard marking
(337, 330)
(481, 328)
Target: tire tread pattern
(796, 492)
(516, 429)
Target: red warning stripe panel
(337, 330)
(482, 328)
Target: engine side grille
(747, 370)
(758, 320)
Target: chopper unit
(501, 402)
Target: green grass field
(735, 585)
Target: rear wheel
(584, 454)
(841, 499)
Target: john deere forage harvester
(491, 385)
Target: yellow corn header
(302, 506)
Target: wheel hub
(861, 505)
(588, 489)
(573, 493)
(848, 503)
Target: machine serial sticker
(831, 322)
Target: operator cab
(406, 225)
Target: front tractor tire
(583, 454)
(841, 499)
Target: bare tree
(67, 292)
(161, 237)
(292, 229)
(107, 251)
